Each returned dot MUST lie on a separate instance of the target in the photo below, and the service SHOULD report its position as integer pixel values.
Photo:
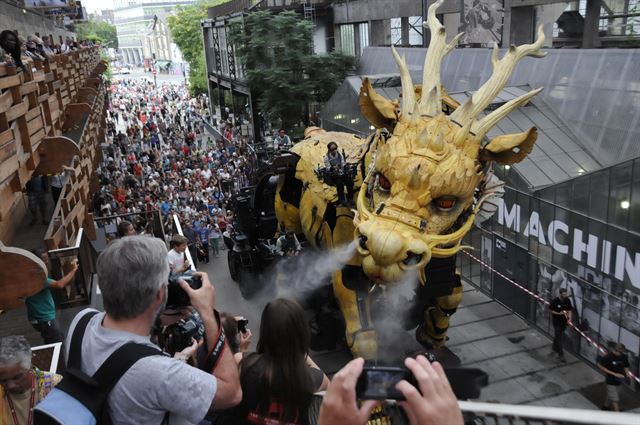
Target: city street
(138, 73)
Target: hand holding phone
(339, 405)
(435, 403)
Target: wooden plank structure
(52, 114)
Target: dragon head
(424, 184)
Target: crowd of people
(206, 382)
(19, 51)
(159, 157)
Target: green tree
(187, 34)
(280, 67)
(101, 31)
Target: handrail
(152, 216)
(178, 226)
(86, 255)
(544, 414)
(498, 413)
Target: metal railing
(177, 230)
(149, 222)
(79, 293)
(496, 413)
(493, 413)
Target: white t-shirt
(176, 259)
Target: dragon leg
(433, 331)
(361, 337)
(437, 300)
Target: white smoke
(299, 276)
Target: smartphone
(242, 325)
(379, 382)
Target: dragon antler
(502, 70)
(408, 90)
(431, 100)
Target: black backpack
(80, 399)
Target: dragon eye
(445, 203)
(384, 182)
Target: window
(347, 39)
(363, 30)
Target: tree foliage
(100, 31)
(187, 34)
(276, 52)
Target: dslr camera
(175, 333)
(176, 297)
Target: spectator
(288, 245)
(125, 228)
(11, 45)
(615, 366)
(34, 48)
(203, 234)
(282, 140)
(22, 384)
(47, 47)
(193, 240)
(133, 278)
(214, 238)
(238, 339)
(279, 380)
(36, 189)
(560, 308)
(177, 258)
(41, 310)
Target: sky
(95, 6)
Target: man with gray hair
(21, 385)
(133, 274)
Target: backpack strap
(75, 346)
(120, 361)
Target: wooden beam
(22, 274)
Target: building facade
(582, 23)
(230, 96)
(143, 32)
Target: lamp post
(155, 77)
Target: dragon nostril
(412, 259)
(362, 240)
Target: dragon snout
(388, 246)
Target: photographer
(433, 403)
(335, 163)
(132, 272)
(238, 334)
(288, 245)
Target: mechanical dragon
(423, 178)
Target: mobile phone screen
(379, 383)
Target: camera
(176, 297)
(180, 334)
(379, 382)
(242, 325)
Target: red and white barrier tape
(599, 347)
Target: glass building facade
(570, 215)
(581, 235)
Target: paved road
(138, 73)
(228, 296)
